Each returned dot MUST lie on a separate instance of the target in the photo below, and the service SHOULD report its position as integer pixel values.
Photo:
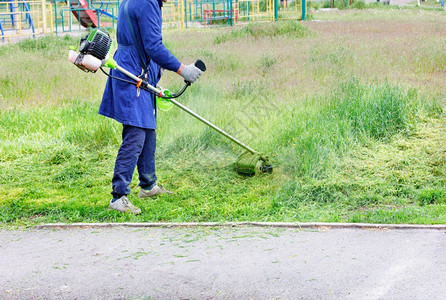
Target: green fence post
(276, 10)
(55, 15)
(231, 14)
(304, 9)
(185, 13)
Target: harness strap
(140, 51)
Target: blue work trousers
(137, 150)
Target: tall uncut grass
(265, 30)
(355, 113)
(346, 145)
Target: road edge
(311, 225)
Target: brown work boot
(155, 190)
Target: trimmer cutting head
(251, 164)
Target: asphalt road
(222, 263)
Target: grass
(355, 129)
(265, 30)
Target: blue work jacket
(120, 100)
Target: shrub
(358, 4)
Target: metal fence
(173, 14)
(210, 13)
(255, 10)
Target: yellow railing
(255, 10)
(21, 18)
(173, 14)
(290, 9)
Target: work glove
(190, 73)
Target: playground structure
(211, 13)
(71, 15)
(173, 14)
(254, 10)
(24, 18)
(34, 17)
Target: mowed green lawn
(349, 107)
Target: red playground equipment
(83, 13)
(87, 14)
(211, 14)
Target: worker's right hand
(191, 73)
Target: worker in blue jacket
(136, 109)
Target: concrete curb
(317, 225)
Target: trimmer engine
(97, 43)
(94, 51)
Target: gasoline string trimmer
(94, 53)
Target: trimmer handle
(200, 65)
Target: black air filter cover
(97, 43)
